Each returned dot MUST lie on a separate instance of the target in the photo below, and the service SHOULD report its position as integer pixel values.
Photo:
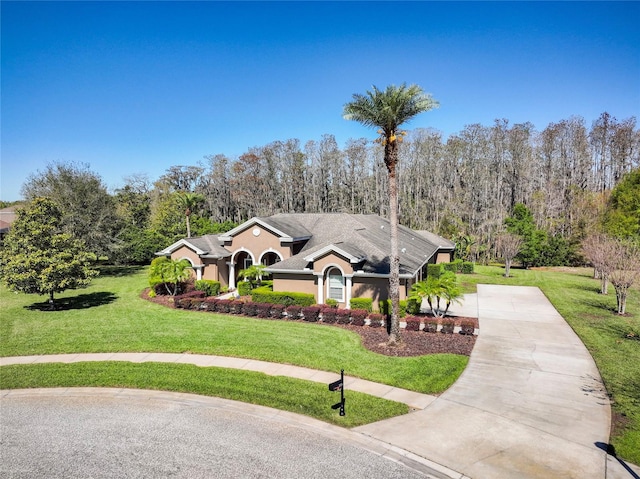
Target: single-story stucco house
(330, 255)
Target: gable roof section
(437, 240)
(205, 246)
(288, 231)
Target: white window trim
(342, 284)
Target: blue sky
(136, 87)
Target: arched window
(335, 285)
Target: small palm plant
(253, 273)
(436, 290)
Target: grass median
(288, 394)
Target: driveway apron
(530, 404)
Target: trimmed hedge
(244, 288)
(332, 303)
(376, 320)
(447, 326)
(362, 303)
(184, 300)
(293, 312)
(277, 311)
(265, 295)
(358, 316)
(263, 310)
(329, 315)
(468, 267)
(467, 328)
(385, 307)
(209, 286)
(343, 316)
(250, 309)
(431, 325)
(311, 313)
(413, 323)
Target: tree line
(463, 187)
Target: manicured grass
(111, 317)
(288, 394)
(612, 340)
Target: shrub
(277, 310)
(329, 315)
(184, 300)
(265, 295)
(197, 303)
(362, 303)
(453, 267)
(250, 309)
(358, 316)
(263, 310)
(434, 270)
(151, 293)
(467, 328)
(413, 306)
(293, 312)
(236, 307)
(223, 306)
(311, 313)
(244, 288)
(413, 323)
(385, 307)
(343, 316)
(467, 267)
(431, 325)
(376, 320)
(447, 326)
(210, 303)
(209, 286)
(332, 303)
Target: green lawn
(614, 341)
(288, 394)
(111, 317)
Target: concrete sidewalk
(412, 399)
(530, 404)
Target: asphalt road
(150, 437)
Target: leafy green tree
(89, 212)
(437, 289)
(387, 110)
(39, 258)
(622, 217)
(169, 272)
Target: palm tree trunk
(391, 155)
(188, 227)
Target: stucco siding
(258, 245)
(332, 259)
(297, 283)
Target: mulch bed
(414, 343)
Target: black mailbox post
(338, 386)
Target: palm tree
(434, 289)
(387, 110)
(189, 201)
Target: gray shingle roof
(362, 236)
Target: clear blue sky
(135, 87)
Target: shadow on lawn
(82, 301)
(109, 270)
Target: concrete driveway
(530, 404)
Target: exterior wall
(210, 271)
(444, 257)
(332, 259)
(298, 283)
(265, 241)
(375, 288)
(223, 272)
(184, 252)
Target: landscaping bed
(414, 343)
